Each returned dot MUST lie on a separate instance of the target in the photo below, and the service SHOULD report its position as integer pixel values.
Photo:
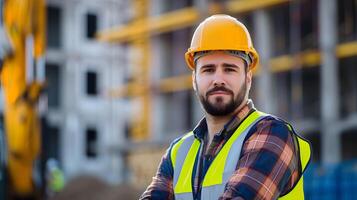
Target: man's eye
(208, 70)
(230, 70)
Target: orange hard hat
(221, 32)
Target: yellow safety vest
(184, 152)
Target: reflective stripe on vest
(184, 152)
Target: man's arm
(268, 165)
(161, 185)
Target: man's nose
(218, 79)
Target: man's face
(221, 82)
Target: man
(54, 178)
(235, 152)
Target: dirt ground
(91, 188)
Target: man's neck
(216, 123)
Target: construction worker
(54, 177)
(235, 151)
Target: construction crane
(22, 81)
(141, 74)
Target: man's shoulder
(271, 126)
(270, 120)
(178, 139)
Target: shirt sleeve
(161, 185)
(268, 165)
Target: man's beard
(218, 108)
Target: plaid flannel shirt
(268, 165)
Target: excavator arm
(23, 21)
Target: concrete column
(157, 70)
(329, 81)
(262, 44)
(297, 110)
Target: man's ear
(249, 78)
(194, 80)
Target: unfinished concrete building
(81, 122)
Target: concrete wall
(79, 111)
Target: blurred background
(109, 86)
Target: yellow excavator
(22, 48)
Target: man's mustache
(217, 89)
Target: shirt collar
(201, 128)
